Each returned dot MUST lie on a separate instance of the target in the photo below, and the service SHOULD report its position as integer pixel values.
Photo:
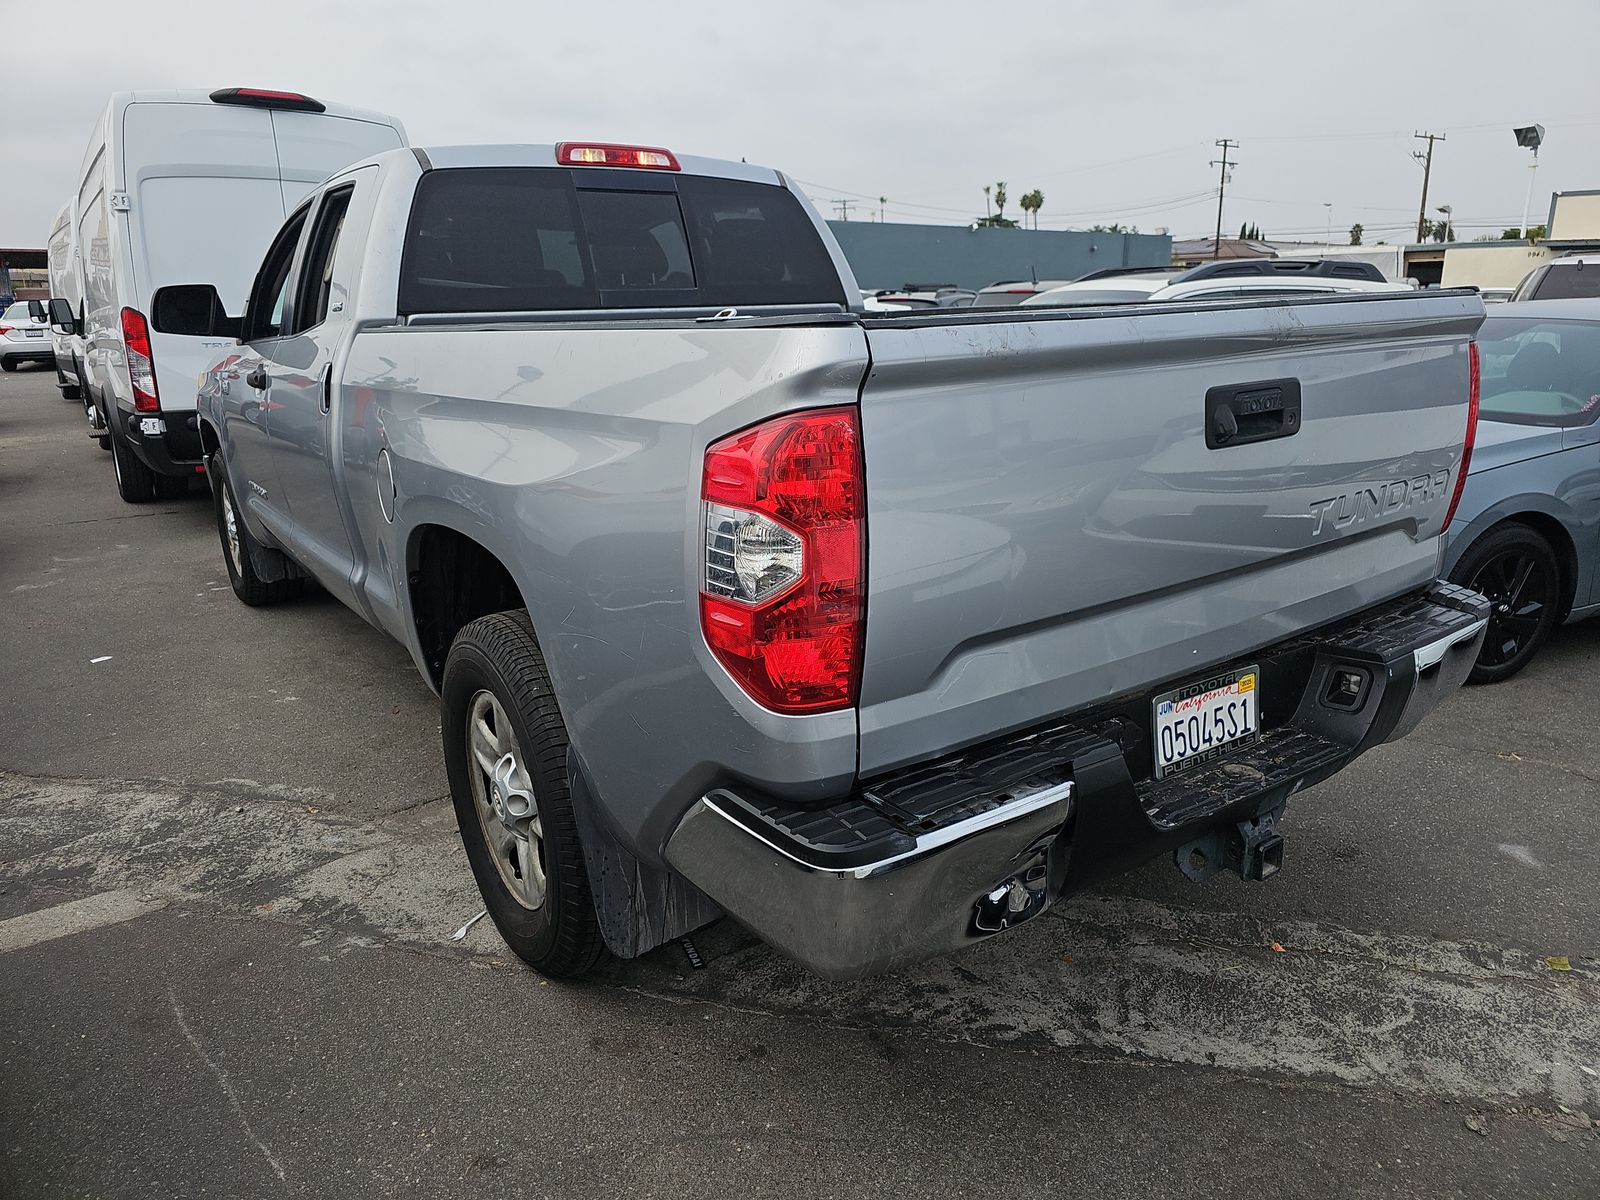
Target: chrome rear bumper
(936, 856)
(902, 902)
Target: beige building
(1573, 227)
(1491, 264)
(1574, 223)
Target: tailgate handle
(1240, 413)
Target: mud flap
(639, 906)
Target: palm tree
(999, 199)
(986, 211)
(1032, 202)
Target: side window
(263, 315)
(316, 276)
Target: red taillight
(267, 98)
(782, 597)
(141, 363)
(4, 329)
(1474, 387)
(610, 154)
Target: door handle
(257, 379)
(327, 387)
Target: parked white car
(176, 187)
(66, 285)
(1155, 289)
(1266, 287)
(23, 337)
(1570, 277)
(1110, 289)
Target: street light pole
(1527, 201)
(1530, 137)
(1328, 235)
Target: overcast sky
(1111, 109)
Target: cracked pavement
(229, 879)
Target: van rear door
(312, 147)
(202, 180)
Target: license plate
(1198, 722)
(34, 332)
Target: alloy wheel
(502, 793)
(230, 529)
(1519, 590)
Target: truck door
(243, 392)
(301, 425)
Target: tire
(69, 391)
(1516, 567)
(496, 672)
(237, 545)
(136, 483)
(8, 364)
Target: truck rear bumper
(936, 856)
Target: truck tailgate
(1073, 520)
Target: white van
(183, 187)
(65, 285)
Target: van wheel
(505, 749)
(238, 544)
(136, 483)
(8, 364)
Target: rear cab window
(1540, 372)
(1567, 281)
(509, 239)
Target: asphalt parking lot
(229, 880)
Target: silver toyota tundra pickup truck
(879, 633)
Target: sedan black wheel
(1516, 568)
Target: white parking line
(75, 916)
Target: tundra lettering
(1384, 499)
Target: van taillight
(1474, 390)
(783, 594)
(141, 363)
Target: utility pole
(844, 208)
(1427, 169)
(1222, 187)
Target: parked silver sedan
(1527, 534)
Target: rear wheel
(8, 364)
(238, 544)
(69, 391)
(1516, 568)
(506, 753)
(136, 483)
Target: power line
(1222, 187)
